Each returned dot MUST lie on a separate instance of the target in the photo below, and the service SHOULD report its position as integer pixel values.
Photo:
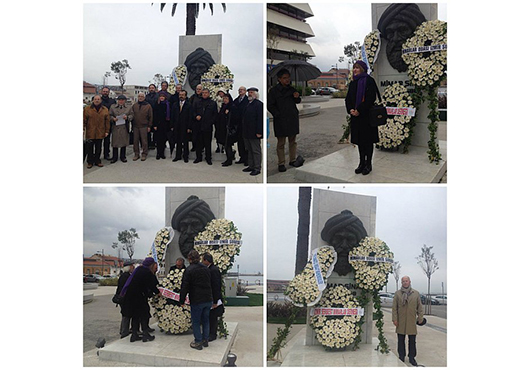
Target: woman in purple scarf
(360, 98)
(162, 124)
(141, 285)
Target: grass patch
(283, 320)
(255, 299)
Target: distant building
(277, 285)
(287, 31)
(333, 78)
(102, 265)
(89, 91)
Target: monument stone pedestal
(169, 350)
(327, 204)
(189, 43)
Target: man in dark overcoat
(281, 102)
(181, 121)
(217, 308)
(107, 102)
(152, 98)
(252, 123)
(205, 115)
(239, 105)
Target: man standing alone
(252, 123)
(407, 312)
(281, 102)
(217, 308)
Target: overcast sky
(336, 25)
(406, 219)
(149, 40)
(109, 210)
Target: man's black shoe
(195, 345)
(413, 362)
(226, 163)
(197, 160)
(147, 337)
(205, 343)
(255, 173)
(209, 162)
(247, 169)
(135, 337)
(211, 338)
(175, 159)
(240, 161)
(113, 160)
(282, 168)
(185, 160)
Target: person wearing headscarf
(125, 327)
(120, 112)
(359, 99)
(142, 122)
(407, 312)
(344, 232)
(140, 286)
(221, 128)
(189, 219)
(96, 127)
(162, 124)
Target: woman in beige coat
(96, 126)
(407, 312)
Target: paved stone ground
(319, 136)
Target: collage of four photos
(263, 186)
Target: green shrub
(109, 282)
(307, 90)
(340, 94)
(282, 310)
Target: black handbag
(377, 114)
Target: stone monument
(396, 23)
(330, 222)
(211, 48)
(212, 206)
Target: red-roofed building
(333, 78)
(108, 265)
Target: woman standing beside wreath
(360, 98)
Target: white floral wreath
(336, 331)
(427, 68)
(371, 275)
(218, 77)
(221, 239)
(179, 75)
(162, 238)
(171, 318)
(303, 289)
(372, 45)
(396, 129)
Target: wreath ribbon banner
(217, 80)
(217, 242)
(423, 49)
(364, 57)
(401, 111)
(336, 311)
(318, 273)
(172, 295)
(153, 249)
(371, 259)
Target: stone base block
(88, 297)
(388, 167)
(169, 350)
(316, 356)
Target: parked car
(91, 278)
(442, 298)
(326, 90)
(434, 301)
(386, 297)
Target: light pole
(336, 72)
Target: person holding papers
(120, 114)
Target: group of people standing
(160, 119)
(201, 282)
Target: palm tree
(302, 242)
(192, 13)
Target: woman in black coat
(162, 124)
(360, 98)
(221, 122)
(140, 286)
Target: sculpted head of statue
(198, 63)
(190, 218)
(344, 232)
(397, 24)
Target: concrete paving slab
(388, 167)
(166, 171)
(169, 350)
